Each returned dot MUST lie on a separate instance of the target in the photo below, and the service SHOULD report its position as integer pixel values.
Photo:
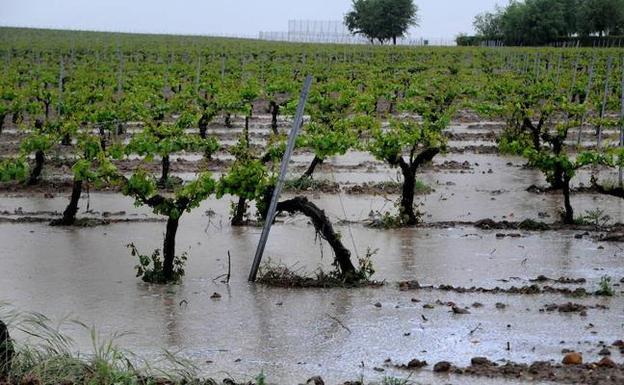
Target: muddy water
(293, 334)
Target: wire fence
(332, 31)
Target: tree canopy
(536, 22)
(382, 20)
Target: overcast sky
(439, 18)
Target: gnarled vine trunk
(407, 197)
(535, 131)
(274, 109)
(324, 227)
(315, 162)
(203, 126)
(239, 213)
(35, 173)
(568, 216)
(169, 248)
(165, 171)
(409, 183)
(102, 133)
(69, 215)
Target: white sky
(439, 18)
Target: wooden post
(280, 182)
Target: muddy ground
(456, 287)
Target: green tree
(382, 20)
(489, 24)
(604, 17)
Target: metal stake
(280, 182)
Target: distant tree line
(539, 22)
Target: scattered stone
(378, 304)
(567, 308)
(215, 295)
(604, 352)
(618, 343)
(606, 362)
(500, 305)
(316, 380)
(409, 285)
(458, 310)
(416, 364)
(573, 358)
(477, 305)
(442, 367)
(480, 361)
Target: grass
(45, 356)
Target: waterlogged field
(477, 256)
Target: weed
(604, 287)
(150, 268)
(394, 381)
(595, 217)
(261, 379)
(283, 276)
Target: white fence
(331, 31)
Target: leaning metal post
(280, 182)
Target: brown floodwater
(293, 334)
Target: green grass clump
(605, 288)
(45, 356)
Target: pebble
(573, 358)
(442, 367)
(606, 362)
(416, 364)
(604, 352)
(316, 380)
